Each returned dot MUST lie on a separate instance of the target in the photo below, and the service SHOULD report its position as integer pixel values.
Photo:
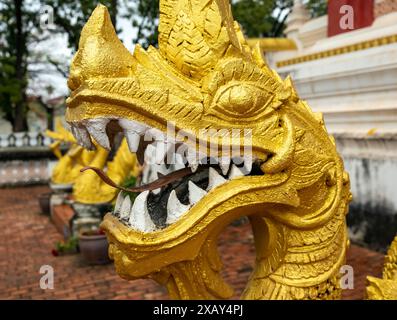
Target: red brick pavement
(27, 237)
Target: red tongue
(162, 181)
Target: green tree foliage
(262, 18)
(71, 15)
(19, 28)
(9, 87)
(15, 25)
(258, 18)
(317, 7)
(145, 17)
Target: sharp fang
(153, 176)
(82, 136)
(132, 131)
(224, 164)
(97, 129)
(133, 139)
(145, 174)
(235, 172)
(192, 160)
(140, 218)
(247, 165)
(175, 209)
(125, 208)
(154, 134)
(119, 202)
(193, 167)
(150, 153)
(215, 179)
(133, 126)
(195, 193)
(161, 168)
(178, 162)
(162, 148)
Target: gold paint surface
(273, 44)
(205, 75)
(385, 288)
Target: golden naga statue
(67, 170)
(386, 288)
(90, 189)
(204, 77)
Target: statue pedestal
(61, 216)
(88, 216)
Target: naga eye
(240, 100)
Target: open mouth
(174, 177)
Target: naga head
(244, 144)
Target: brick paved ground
(27, 237)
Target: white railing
(24, 172)
(24, 158)
(24, 139)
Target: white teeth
(97, 129)
(150, 172)
(247, 165)
(153, 176)
(82, 136)
(178, 162)
(215, 179)
(192, 159)
(133, 130)
(140, 218)
(119, 202)
(125, 208)
(150, 154)
(193, 166)
(247, 161)
(195, 193)
(133, 139)
(175, 209)
(224, 164)
(162, 168)
(154, 134)
(162, 147)
(134, 126)
(235, 172)
(145, 174)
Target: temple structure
(350, 76)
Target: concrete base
(372, 165)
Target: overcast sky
(57, 48)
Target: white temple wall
(352, 79)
